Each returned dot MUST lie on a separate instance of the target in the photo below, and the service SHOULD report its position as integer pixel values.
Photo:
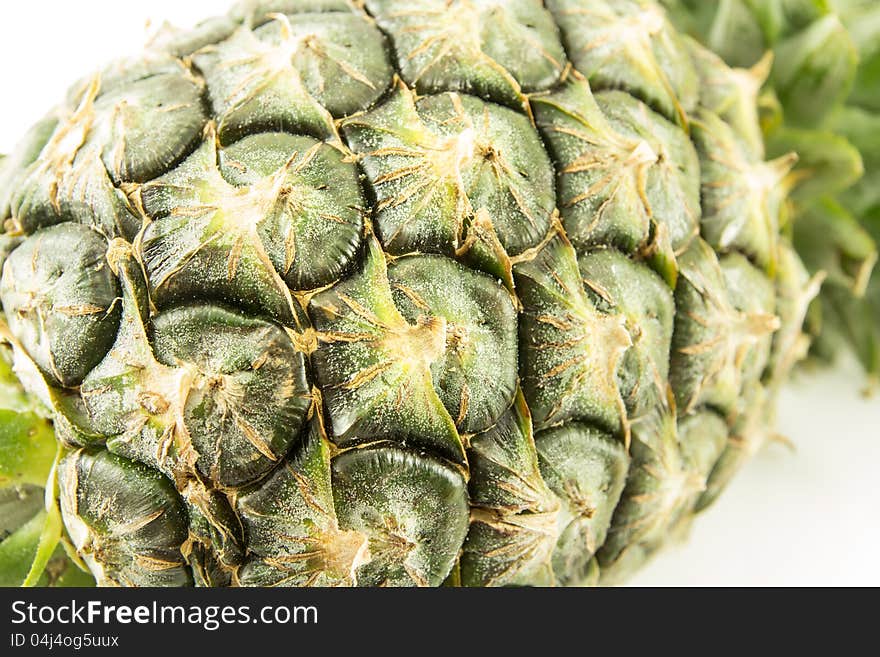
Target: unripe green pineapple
(478, 292)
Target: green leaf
(23, 557)
(71, 575)
(17, 552)
(782, 18)
(27, 441)
(28, 451)
(27, 448)
(862, 128)
(25, 554)
(855, 322)
(814, 70)
(831, 239)
(866, 91)
(12, 394)
(735, 33)
(863, 201)
(49, 537)
(740, 31)
(827, 162)
(689, 16)
(862, 19)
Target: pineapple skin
(400, 293)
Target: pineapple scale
(474, 292)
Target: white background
(804, 517)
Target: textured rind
(403, 289)
(125, 520)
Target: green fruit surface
(400, 293)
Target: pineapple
(461, 292)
